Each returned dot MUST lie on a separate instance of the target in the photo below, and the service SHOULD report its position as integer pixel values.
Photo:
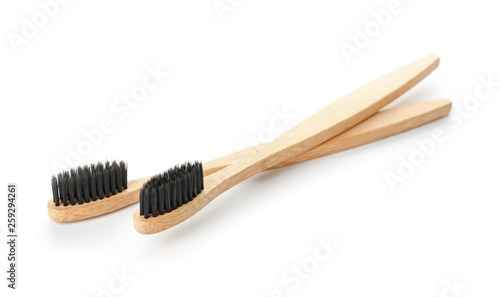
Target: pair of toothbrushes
(170, 198)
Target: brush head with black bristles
(171, 189)
(89, 183)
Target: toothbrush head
(89, 183)
(171, 189)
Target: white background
(226, 76)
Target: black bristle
(178, 186)
(89, 183)
(168, 197)
(195, 182)
(107, 186)
(146, 203)
(190, 186)
(100, 185)
(62, 189)
(93, 186)
(173, 194)
(154, 202)
(86, 170)
(118, 176)
(185, 190)
(200, 176)
(86, 187)
(167, 191)
(112, 180)
(161, 199)
(71, 187)
(124, 169)
(59, 185)
(141, 202)
(79, 189)
(65, 180)
(55, 191)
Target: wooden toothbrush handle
(396, 120)
(332, 120)
(381, 125)
(346, 112)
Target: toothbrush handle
(330, 121)
(323, 125)
(381, 125)
(347, 111)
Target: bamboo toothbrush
(383, 124)
(172, 197)
(89, 204)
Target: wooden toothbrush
(181, 185)
(383, 124)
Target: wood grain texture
(330, 121)
(381, 125)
